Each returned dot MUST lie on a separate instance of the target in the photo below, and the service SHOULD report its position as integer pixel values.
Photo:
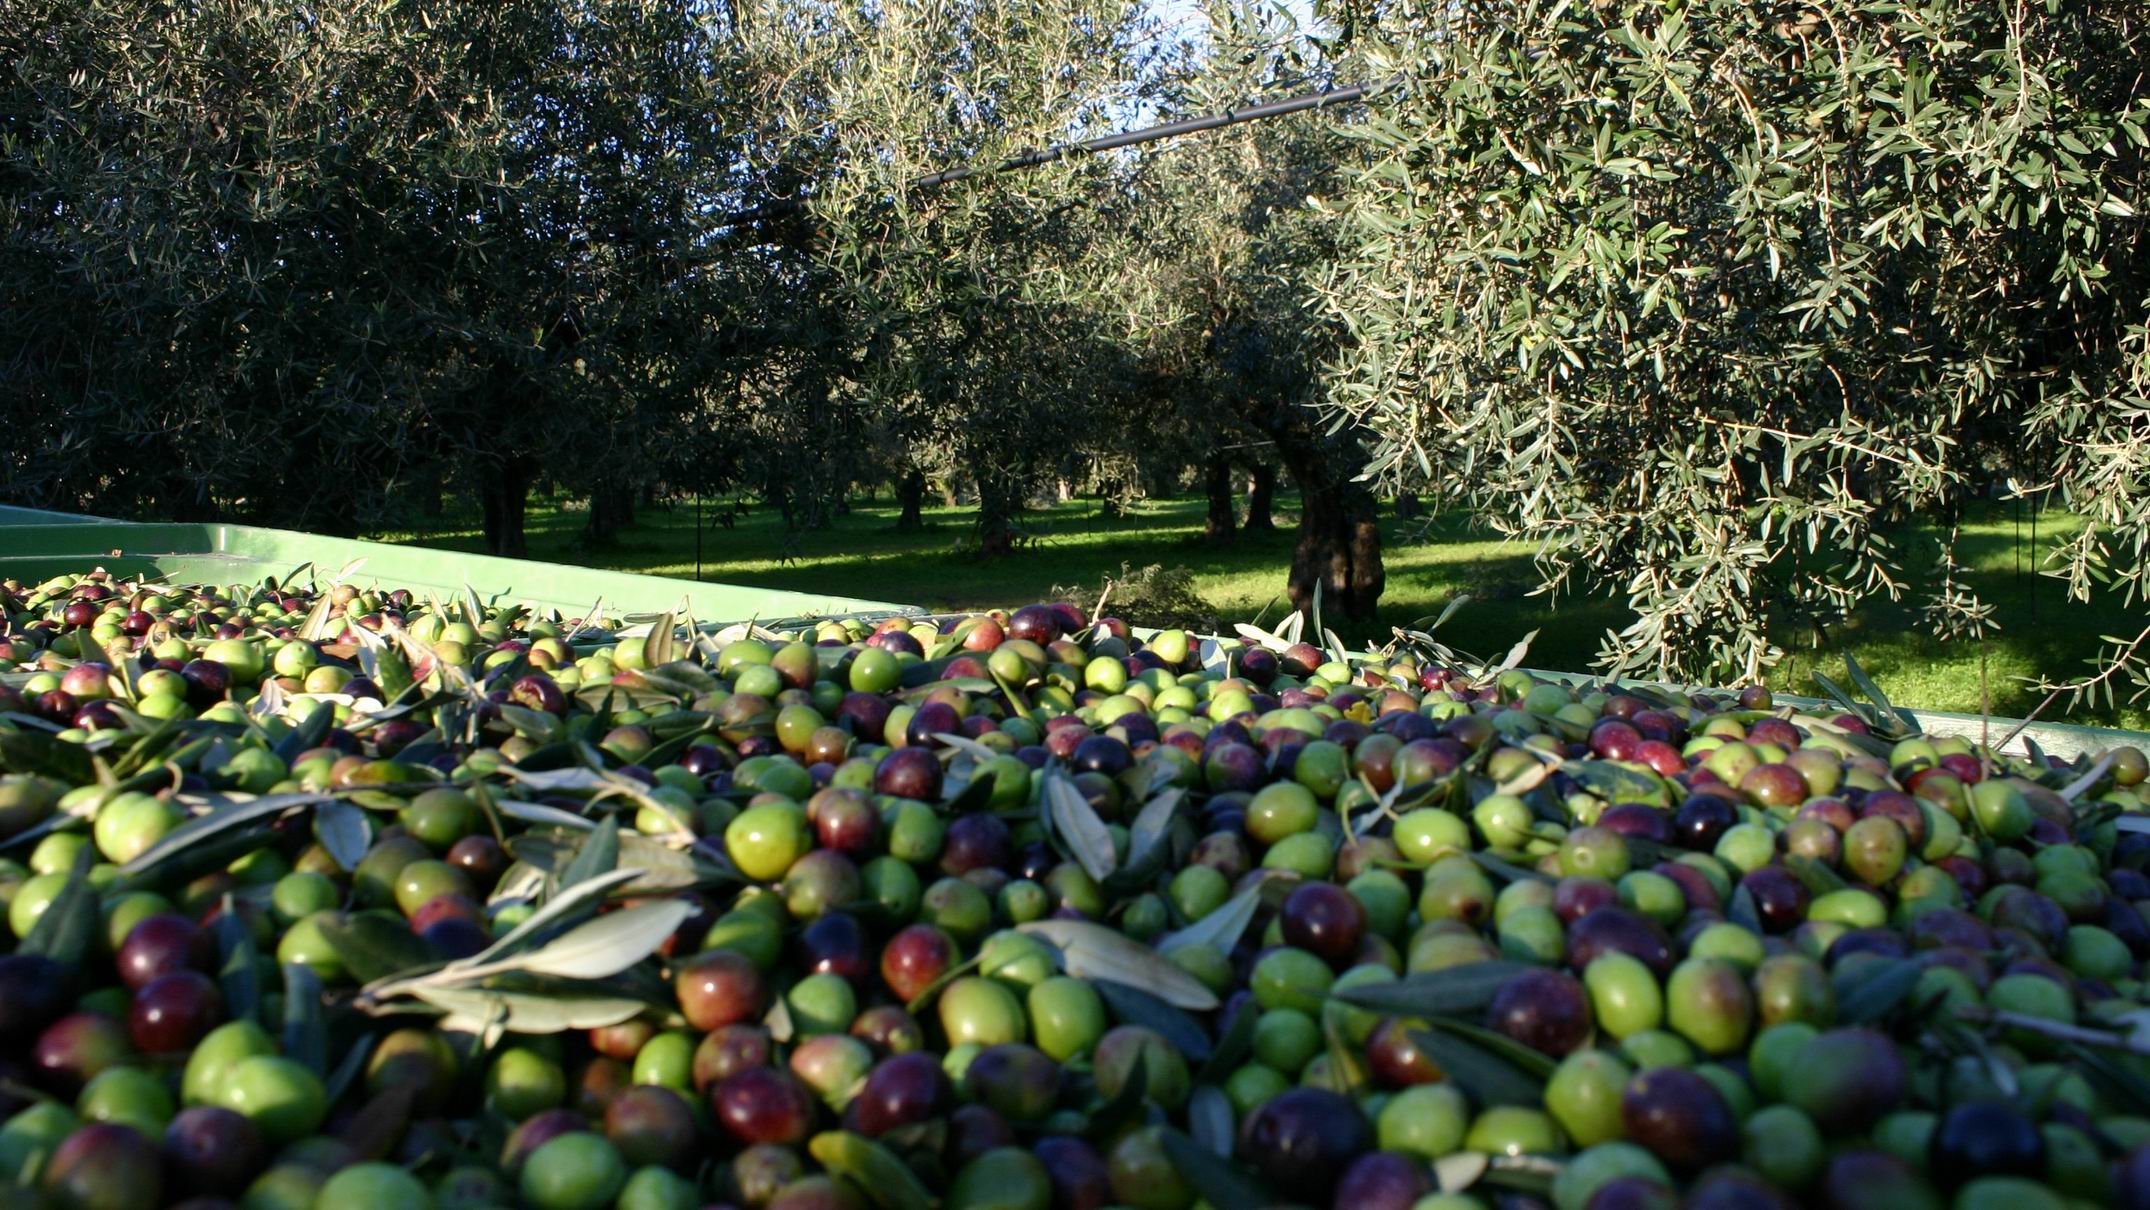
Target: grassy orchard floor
(863, 555)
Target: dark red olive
(909, 773)
(1680, 1117)
(901, 1091)
(1326, 920)
(1302, 1140)
(764, 1105)
(1618, 930)
(211, 1149)
(1985, 1138)
(1545, 1010)
(1382, 1180)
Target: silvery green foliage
(974, 323)
(1696, 300)
(283, 259)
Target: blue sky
(1188, 15)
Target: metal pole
(697, 537)
(1343, 95)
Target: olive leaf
(1231, 1049)
(472, 604)
(373, 1132)
(2117, 1082)
(1135, 1006)
(1529, 1061)
(344, 831)
(239, 965)
(971, 793)
(1507, 871)
(1874, 990)
(1529, 779)
(1817, 878)
(661, 644)
(1214, 657)
(1209, 1118)
(1852, 706)
(966, 745)
(66, 931)
(1452, 991)
(307, 733)
(349, 1068)
(36, 752)
(489, 1013)
(1219, 1181)
(564, 905)
(778, 1019)
(1459, 1170)
(1078, 827)
(1153, 824)
(886, 1180)
(534, 812)
(1488, 1078)
(1124, 1107)
(605, 946)
(305, 1033)
(1744, 911)
(373, 948)
(2091, 776)
(1908, 720)
(1221, 928)
(1615, 783)
(522, 882)
(223, 813)
(270, 701)
(315, 627)
(534, 725)
(599, 854)
(1093, 951)
(1513, 659)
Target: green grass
(863, 555)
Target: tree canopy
(1696, 300)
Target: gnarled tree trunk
(1220, 525)
(1261, 499)
(1339, 543)
(612, 507)
(504, 498)
(1000, 497)
(911, 496)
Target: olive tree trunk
(1000, 497)
(911, 496)
(504, 498)
(1220, 525)
(1261, 499)
(612, 508)
(1339, 543)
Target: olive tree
(970, 327)
(279, 260)
(1236, 243)
(1696, 300)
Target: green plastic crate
(37, 545)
